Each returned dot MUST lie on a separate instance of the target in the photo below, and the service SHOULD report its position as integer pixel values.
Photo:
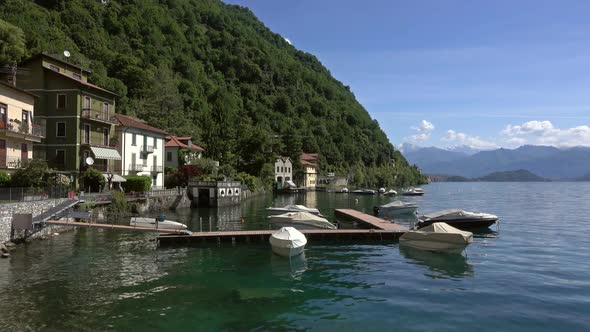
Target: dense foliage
(212, 71)
(92, 180)
(4, 179)
(137, 183)
(34, 174)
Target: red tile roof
(127, 121)
(307, 163)
(173, 141)
(309, 156)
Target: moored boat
(438, 236)
(157, 223)
(390, 192)
(413, 192)
(287, 242)
(458, 218)
(292, 208)
(300, 220)
(395, 208)
(364, 192)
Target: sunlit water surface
(532, 273)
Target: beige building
(18, 131)
(309, 162)
(283, 172)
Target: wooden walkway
(369, 220)
(111, 226)
(263, 235)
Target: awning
(104, 153)
(116, 178)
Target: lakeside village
(62, 144)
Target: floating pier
(369, 221)
(379, 230)
(112, 226)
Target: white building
(142, 149)
(176, 144)
(283, 171)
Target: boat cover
(456, 214)
(304, 218)
(288, 237)
(398, 204)
(291, 184)
(439, 232)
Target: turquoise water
(530, 274)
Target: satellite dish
(67, 53)
(89, 161)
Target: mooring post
(201, 224)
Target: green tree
(34, 174)
(12, 44)
(92, 180)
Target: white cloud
(424, 129)
(545, 133)
(473, 142)
(288, 41)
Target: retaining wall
(36, 207)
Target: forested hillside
(213, 71)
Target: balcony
(17, 129)
(97, 142)
(136, 168)
(13, 162)
(98, 115)
(157, 169)
(146, 149)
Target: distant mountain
(520, 175)
(545, 161)
(463, 149)
(583, 178)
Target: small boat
(390, 192)
(458, 218)
(344, 190)
(438, 236)
(292, 208)
(413, 192)
(382, 190)
(364, 192)
(158, 223)
(395, 207)
(287, 242)
(300, 220)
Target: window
(154, 180)
(169, 156)
(77, 76)
(87, 103)
(278, 169)
(25, 117)
(134, 139)
(60, 130)
(86, 138)
(54, 68)
(155, 143)
(105, 136)
(61, 102)
(60, 157)
(105, 110)
(155, 162)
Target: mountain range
(545, 161)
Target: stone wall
(165, 202)
(6, 211)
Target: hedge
(137, 183)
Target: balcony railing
(104, 168)
(136, 168)
(98, 115)
(11, 162)
(147, 149)
(17, 127)
(98, 142)
(157, 169)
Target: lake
(529, 273)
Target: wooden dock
(263, 235)
(369, 221)
(112, 226)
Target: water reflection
(442, 264)
(292, 267)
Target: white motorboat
(395, 208)
(344, 190)
(458, 218)
(300, 220)
(438, 236)
(413, 192)
(382, 190)
(292, 208)
(390, 192)
(158, 223)
(364, 192)
(287, 242)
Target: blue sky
(454, 72)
